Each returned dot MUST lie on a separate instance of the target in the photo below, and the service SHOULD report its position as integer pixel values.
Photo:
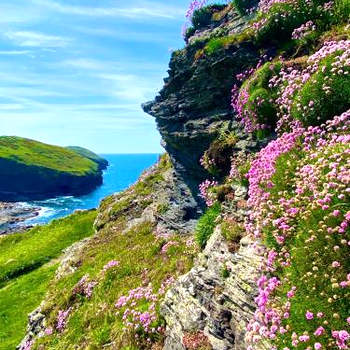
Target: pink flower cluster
(138, 309)
(62, 319)
(134, 318)
(111, 264)
(291, 79)
(85, 287)
(303, 30)
(204, 190)
(318, 184)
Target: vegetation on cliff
(31, 169)
(298, 183)
(109, 294)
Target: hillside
(34, 170)
(238, 238)
(103, 163)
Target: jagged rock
(204, 300)
(194, 104)
(35, 328)
(69, 259)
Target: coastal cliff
(33, 170)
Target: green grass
(34, 153)
(17, 299)
(22, 253)
(88, 154)
(206, 224)
(27, 265)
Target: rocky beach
(14, 215)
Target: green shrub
(203, 16)
(260, 106)
(206, 224)
(232, 231)
(341, 11)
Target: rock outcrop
(194, 104)
(217, 296)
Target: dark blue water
(123, 170)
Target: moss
(232, 231)
(215, 45)
(225, 272)
(119, 206)
(206, 224)
(162, 208)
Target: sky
(74, 72)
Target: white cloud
(15, 53)
(143, 10)
(36, 39)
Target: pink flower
(319, 331)
(309, 315)
(335, 264)
(317, 346)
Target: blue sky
(75, 72)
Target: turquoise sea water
(123, 170)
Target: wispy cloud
(15, 52)
(36, 39)
(143, 10)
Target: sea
(123, 171)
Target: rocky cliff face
(194, 104)
(216, 298)
(19, 182)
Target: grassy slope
(94, 322)
(34, 153)
(26, 256)
(88, 154)
(17, 299)
(25, 252)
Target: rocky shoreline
(13, 217)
